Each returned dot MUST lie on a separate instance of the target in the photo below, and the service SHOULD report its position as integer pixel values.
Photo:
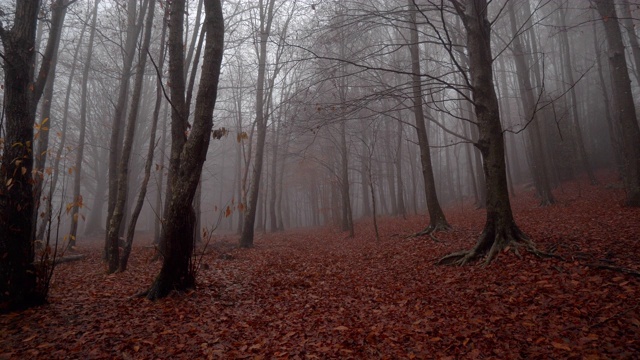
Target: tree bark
(18, 280)
(77, 170)
(437, 220)
(500, 229)
(63, 135)
(623, 98)
(119, 211)
(59, 11)
(266, 18)
(568, 72)
(115, 141)
(539, 169)
(189, 155)
(627, 22)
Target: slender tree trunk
(437, 220)
(539, 168)
(119, 210)
(159, 216)
(627, 22)
(273, 225)
(115, 141)
(266, 17)
(623, 99)
(402, 210)
(568, 71)
(614, 131)
(59, 11)
(77, 171)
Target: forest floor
(317, 294)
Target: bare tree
(188, 153)
(123, 169)
(77, 202)
(437, 220)
(500, 229)
(623, 98)
(266, 19)
(134, 23)
(18, 280)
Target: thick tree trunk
(177, 272)
(437, 220)
(623, 99)
(500, 228)
(18, 281)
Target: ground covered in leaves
(316, 294)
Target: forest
(320, 179)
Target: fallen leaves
(314, 294)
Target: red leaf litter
(317, 294)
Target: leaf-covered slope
(317, 294)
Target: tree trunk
(627, 22)
(188, 156)
(568, 72)
(157, 234)
(115, 141)
(246, 238)
(118, 215)
(59, 11)
(500, 229)
(402, 210)
(437, 220)
(614, 130)
(539, 169)
(77, 170)
(63, 134)
(347, 214)
(623, 99)
(18, 281)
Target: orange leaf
(561, 346)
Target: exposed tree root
(490, 246)
(430, 230)
(615, 268)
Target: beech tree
(18, 276)
(188, 147)
(625, 111)
(437, 220)
(500, 229)
(266, 19)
